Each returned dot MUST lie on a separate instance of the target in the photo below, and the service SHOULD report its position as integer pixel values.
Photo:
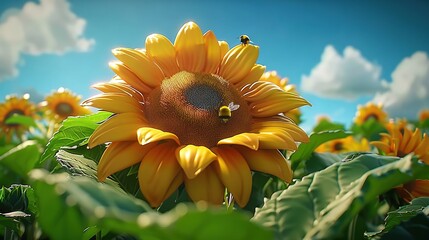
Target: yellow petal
(271, 123)
(118, 156)
(423, 147)
(224, 48)
(119, 86)
(190, 49)
(382, 146)
(249, 140)
(206, 187)
(253, 76)
(119, 127)
(268, 161)
(162, 51)
(405, 138)
(129, 77)
(414, 141)
(159, 173)
(114, 102)
(234, 173)
(140, 65)
(194, 159)
(147, 135)
(212, 52)
(269, 140)
(238, 62)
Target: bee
(244, 39)
(225, 111)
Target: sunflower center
(10, 114)
(63, 109)
(338, 146)
(187, 104)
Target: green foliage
(403, 214)
(22, 120)
(370, 129)
(75, 204)
(325, 125)
(73, 132)
(305, 150)
(22, 158)
(325, 203)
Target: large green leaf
(305, 150)
(70, 205)
(21, 120)
(22, 158)
(73, 132)
(404, 213)
(323, 204)
(325, 125)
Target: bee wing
(233, 106)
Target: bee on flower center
(244, 39)
(225, 111)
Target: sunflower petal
(140, 64)
(119, 86)
(238, 62)
(414, 140)
(206, 187)
(194, 159)
(159, 173)
(162, 51)
(147, 135)
(212, 52)
(253, 76)
(129, 77)
(114, 102)
(382, 146)
(118, 156)
(270, 140)
(249, 140)
(190, 49)
(234, 173)
(119, 127)
(268, 161)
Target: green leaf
(326, 125)
(323, 204)
(17, 198)
(370, 129)
(320, 161)
(22, 158)
(73, 132)
(21, 120)
(305, 150)
(403, 214)
(70, 207)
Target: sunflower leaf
(26, 121)
(22, 158)
(325, 125)
(324, 203)
(403, 214)
(73, 132)
(370, 129)
(74, 205)
(305, 150)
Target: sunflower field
(193, 139)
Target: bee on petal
(244, 39)
(225, 111)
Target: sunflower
(166, 100)
(344, 145)
(63, 103)
(15, 105)
(272, 76)
(368, 111)
(424, 115)
(400, 143)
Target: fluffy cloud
(343, 77)
(409, 90)
(48, 27)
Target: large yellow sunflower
(272, 76)
(15, 105)
(400, 142)
(63, 103)
(166, 101)
(368, 111)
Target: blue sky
(339, 54)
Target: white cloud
(48, 27)
(343, 77)
(409, 90)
